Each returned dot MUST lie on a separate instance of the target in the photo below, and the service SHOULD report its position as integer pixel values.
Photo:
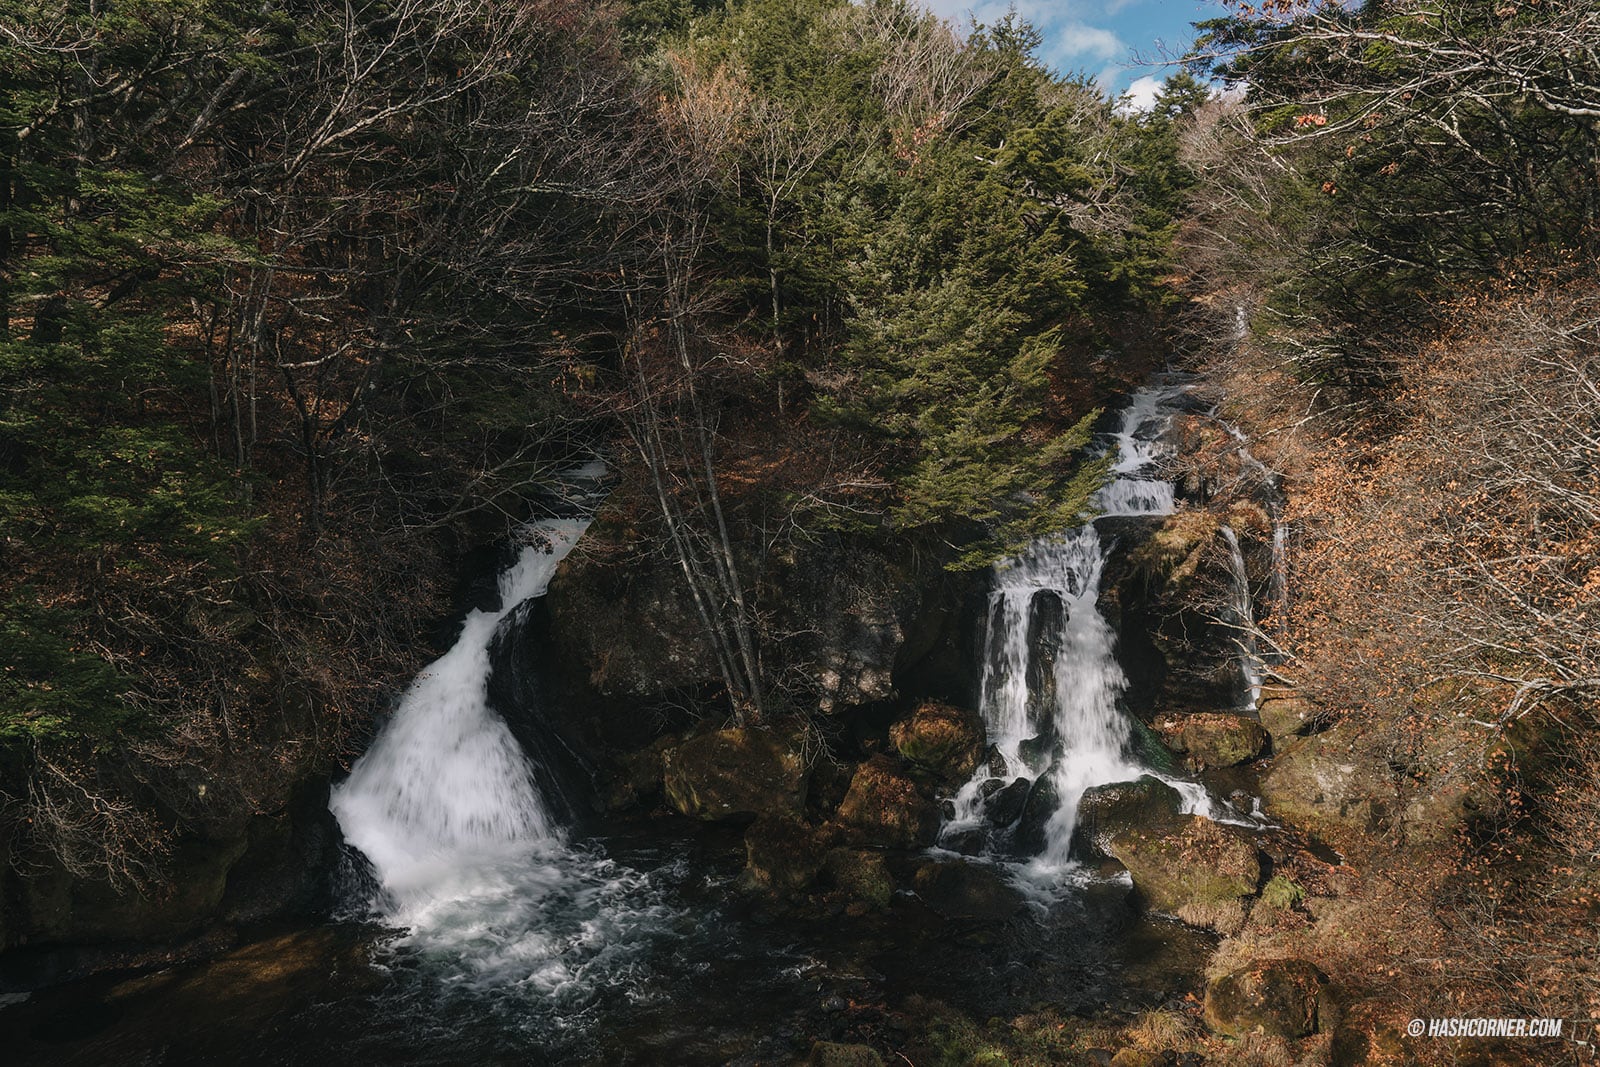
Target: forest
(303, 304)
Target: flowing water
(483, 927)
(1051, 680)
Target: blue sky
(1106, 39)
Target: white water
(469, 860)
(446, 787)
(1241, 612)
(1081, 681)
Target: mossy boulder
(783, 855)
(1330, 784)
(963, 890)
(861, 875)
(1216, 738)
(1284, 714)
(942, 740)
(1189, 861)
(734, 774)
(833, 1054)
(1146, 803)
(1286, 998)
(884, 807)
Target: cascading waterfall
(1051, 679)
(1241, 617)
(467, 855)
(446, 784)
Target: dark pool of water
(713, 977)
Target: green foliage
(50, 687)
(954, 226)
(1281, 893)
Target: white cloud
(1141, 95)
(1069, 43)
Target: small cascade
(1241, 617)
(1280, 571)
(1051, 680)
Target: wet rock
(1216, 739)
(995, 763)
(1328, 785)
(1004, 805)
(883, 807)
(968, 842)
(832, 1054)
(962, 890)
(1047, 621)
(1037, 751)
(1280, 998)
(1147, 803)
(783, 855)
(1191, 861)
(860, 874)
(1037, 808)
(940, 739)
(734, 774)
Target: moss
(1281, 893)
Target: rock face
(1320, 783)
(1280, 998)
(941, 740)
(1216, 739)
(1146, 804)
(852, 621)
(883, 807)
(783, 855)
(734, 774)
(1190, 862)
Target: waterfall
(446, 785)
(469, 859)
(1241, 616)
(1051, 680)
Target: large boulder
(734, 774)
(1216, 738)
(1038, 807)
(860, 874)
(1285, 714)
(783, 855)
(1331, 785)
(884, 807)
(1280, 998)
(1146, 804)
(941, 740)
(1191, 862)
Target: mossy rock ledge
(884, 807)
(1189, 866)
(735, 774)
(940, 740)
